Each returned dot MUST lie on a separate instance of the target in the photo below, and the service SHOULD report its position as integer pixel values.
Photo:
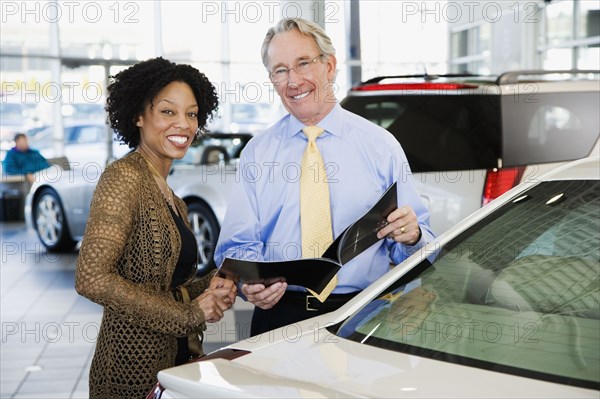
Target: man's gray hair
(306, 28)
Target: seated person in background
(22, 160)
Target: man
(22, 160)
(361, 160)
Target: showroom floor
(48, 331)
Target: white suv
(469, 139)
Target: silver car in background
(58, 203)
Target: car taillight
(156, 392)
(415, 86)
(499, 181)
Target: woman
(138, 254)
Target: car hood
(305, 359)
(316, 363)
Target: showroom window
(571, 35)
(492, 37)
(470, 49)
(403, 37)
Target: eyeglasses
(280, 74)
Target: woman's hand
(214, 302)
(217, 298)
(218, 282)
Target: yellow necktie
(315, 212)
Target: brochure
(315, 273)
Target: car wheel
(51, 223)
(206, 229)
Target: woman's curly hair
(135, 87)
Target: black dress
(188, 257)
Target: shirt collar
(332, 123)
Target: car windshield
(10, 112)
(83, 111)
(251, 112)
(518, 292)
(73, 134)
(214, 149)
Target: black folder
(315, 273)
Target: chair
(63, 162)
(14, 189)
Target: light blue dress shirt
(362, 160)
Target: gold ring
(402, 230)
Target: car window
(10, 111)
(79, 111)
(88, 134)
(257, 111)
(213, 149)
(518, 292)
(75, 134)
(384, 113)
(71, 133)
(42, 139)
(438, 132)
(549, 127)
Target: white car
(468, 139)
(504, 304)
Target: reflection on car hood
(319, 364)
(226, 379)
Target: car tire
(206, 230)
(50, 222)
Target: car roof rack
(425, 76)
(513, 76)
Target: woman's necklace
(169, 193)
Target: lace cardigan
(126, 263)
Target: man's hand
(402, 226)
(264, 297)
